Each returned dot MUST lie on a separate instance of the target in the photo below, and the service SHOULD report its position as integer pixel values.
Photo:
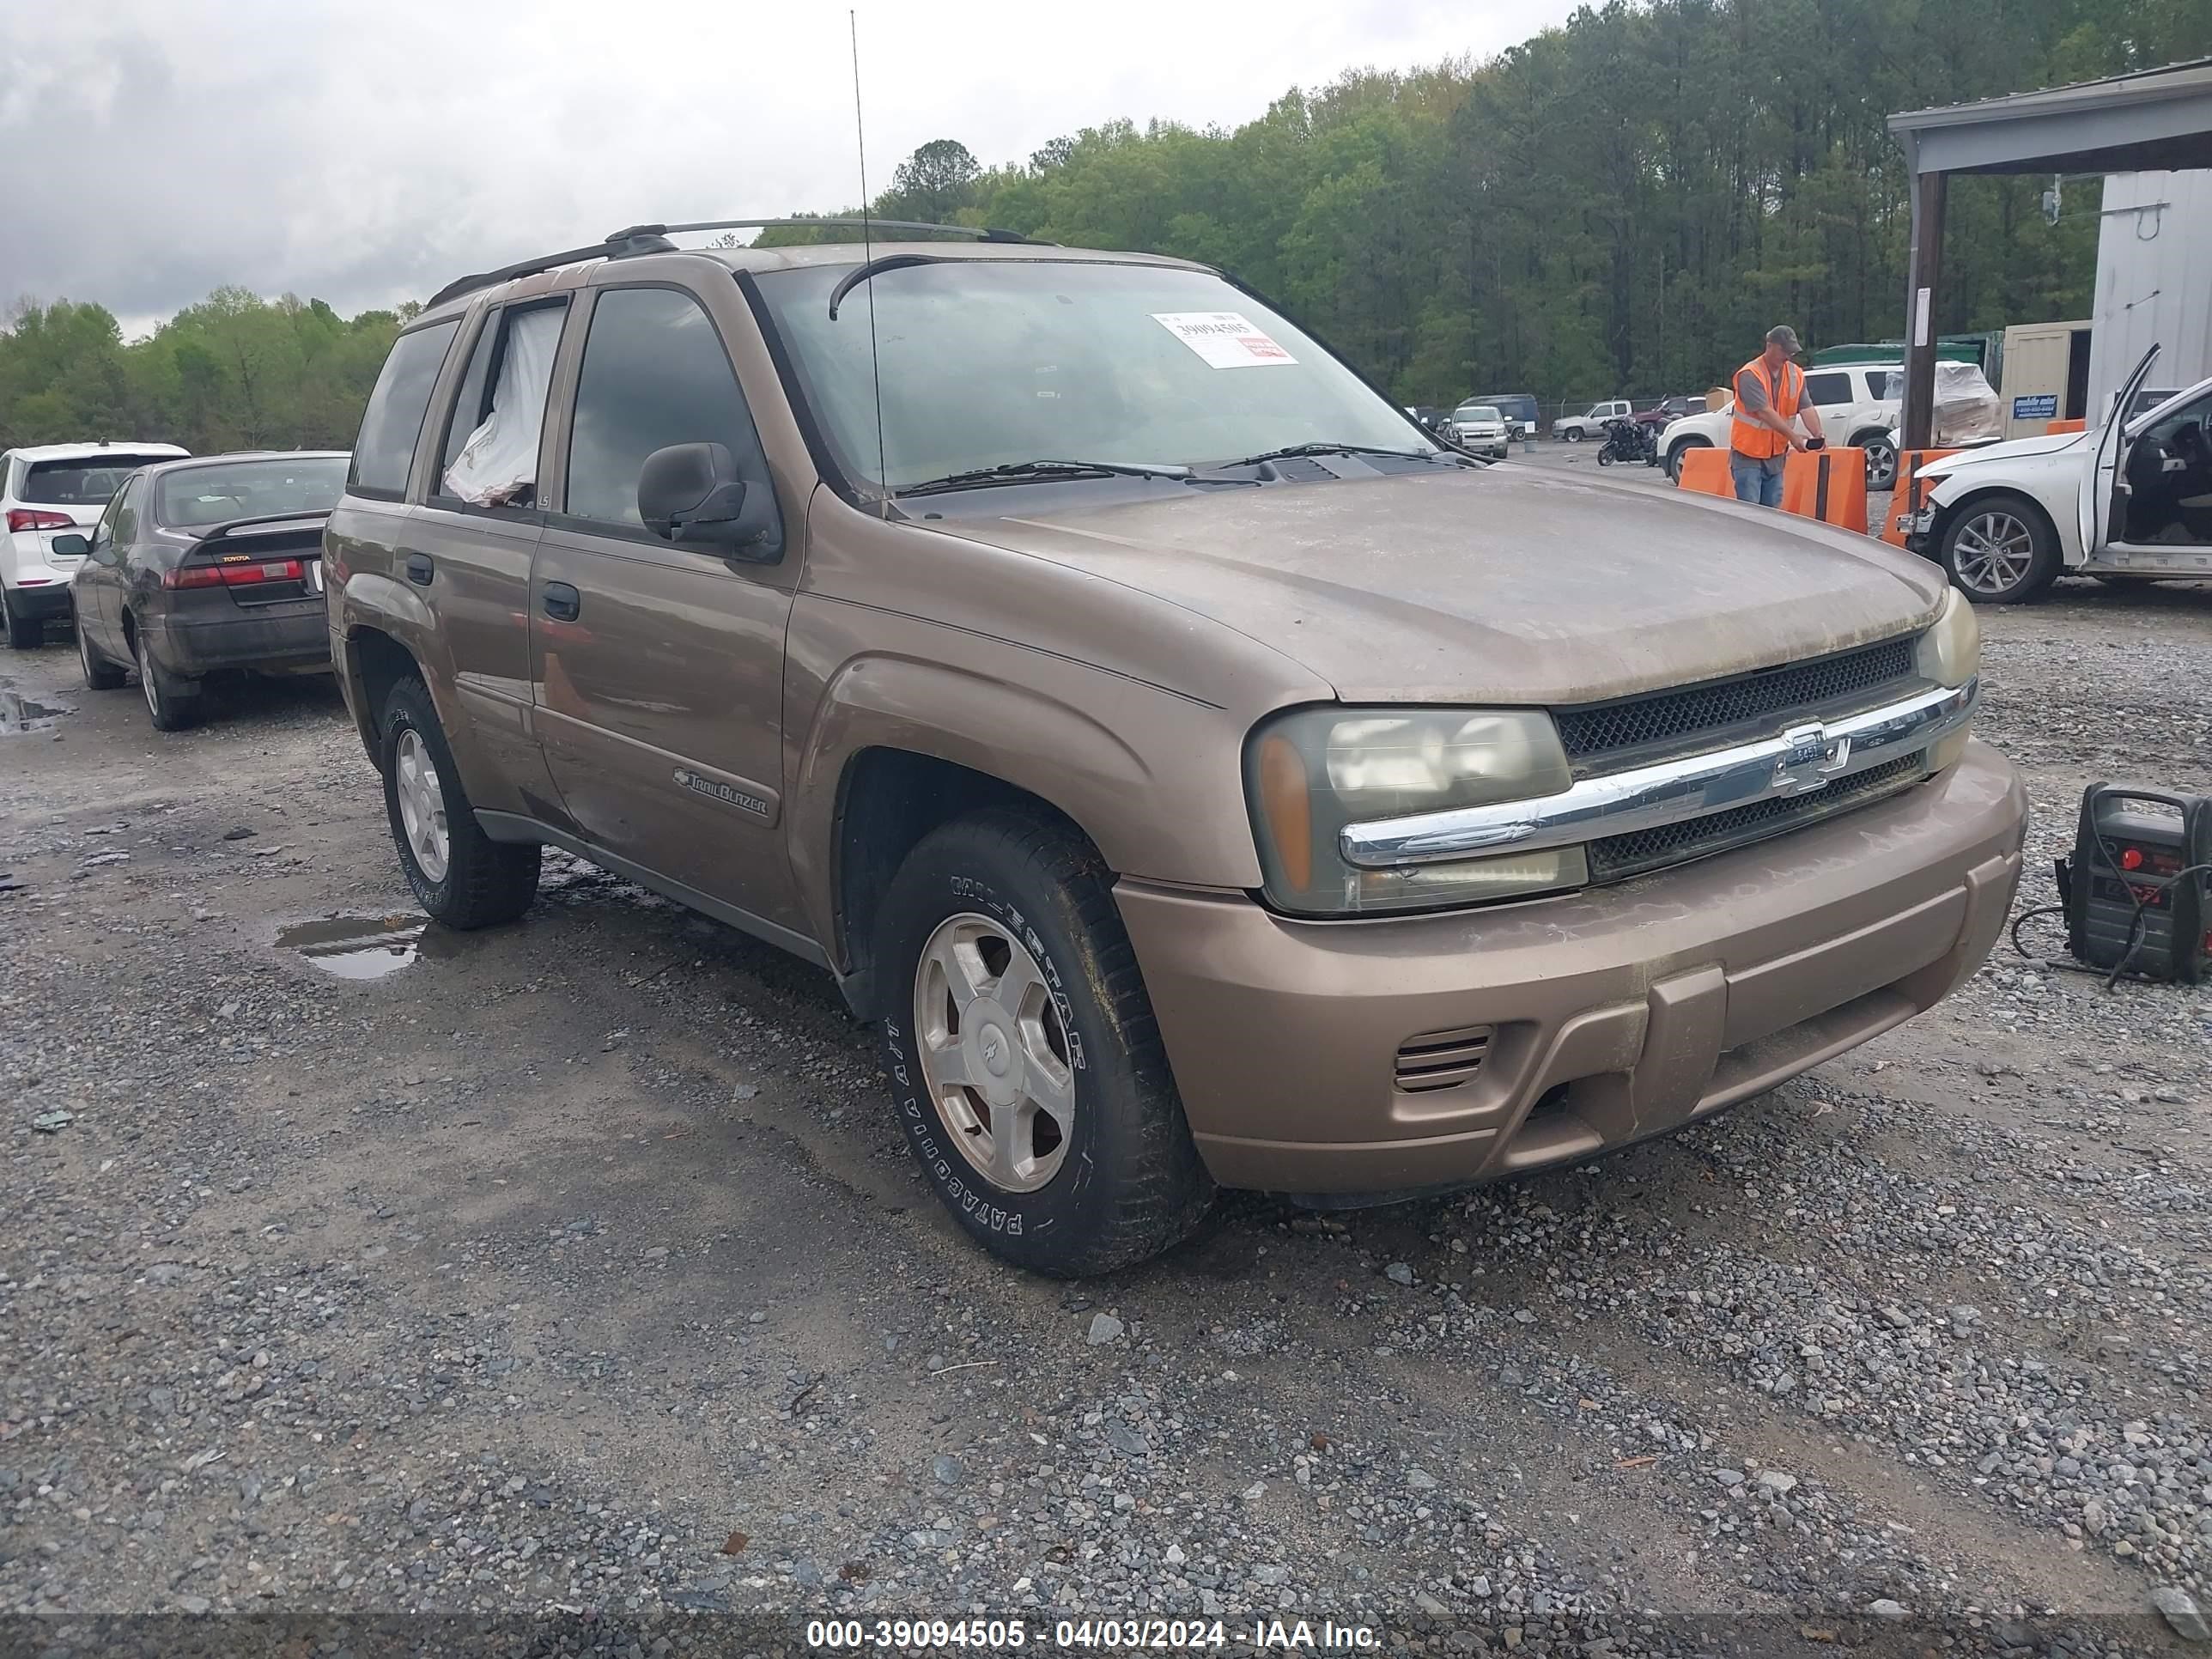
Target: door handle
(562, 601)
(420, 570)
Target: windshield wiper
(1040, 473)
(1291, 452)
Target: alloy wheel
(1993, 552)
(422, 806)
(994, 1052)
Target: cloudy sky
(365, 154)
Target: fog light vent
(1442, 1060)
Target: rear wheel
(99, 674)
(1999, 549)
(24, 633)
(172, 700)
(1881, 459)
(461, 876)
(1028, 1070)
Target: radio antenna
(867, 254)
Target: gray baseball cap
(1785, 336)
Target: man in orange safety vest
(1770, 405)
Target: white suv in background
(50, 490)
(1855, 414)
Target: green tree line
(1621, 205)
(233, 371)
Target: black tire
(1129, 1183)
(24, 633)
(485, 882)
(1681, 448)
(1573, 435)
(1605, 458)
(172, 701)
(2014, 578)
(99, 674)
(1881, 459)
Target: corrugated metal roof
(2137, 86)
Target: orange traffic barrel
(1911, 490)
(1827, 484)
(1706, 470)
(2054, 429)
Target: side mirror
(692, 493)
(71, 546)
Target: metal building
(2154, 121)
(2154, 281)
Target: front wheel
(1675, 456)
(1999, 549)
(99, 674)
(1605, 458)
(1573, 435)
(1027, 1070)
(460, 875)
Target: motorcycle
(1628, 441)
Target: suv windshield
(192, 497)
(81, 483)
(994, 362)
(1471, 412)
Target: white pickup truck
(1590, 424)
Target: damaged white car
(2130, 500)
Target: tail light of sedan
(249, 574)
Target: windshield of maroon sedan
(190, 497)
(991, 363)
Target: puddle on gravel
(20, 713)
(364, 947)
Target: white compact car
(50, 490)
(1482, 429)
(2130, 500)
(1858, 407)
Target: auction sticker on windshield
(1226, 339)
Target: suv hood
(1504, 586)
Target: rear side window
(126, 511)
(489, 457)
(654, 374)
(386, 450)
(1821, 390)
(87, 483)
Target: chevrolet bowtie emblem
(1810, 758)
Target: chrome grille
(1616, 858)
(1596, 730)
(1442, 1060)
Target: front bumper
(293, 633)
(1614, 1014)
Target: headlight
(1310, 772)
(1950, 652)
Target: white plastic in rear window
(500, 459)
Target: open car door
(2098, 509)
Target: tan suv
(1198, 775)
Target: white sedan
(2130, 500)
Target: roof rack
(981, 232)
(654, 239)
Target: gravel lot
(577, 1269)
